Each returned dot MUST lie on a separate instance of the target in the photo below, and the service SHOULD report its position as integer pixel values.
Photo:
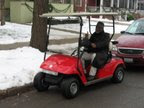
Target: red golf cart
(67, 71)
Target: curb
(13, 45)
(15, 91)
(65, 30)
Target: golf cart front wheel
(39, 82)
(70, 87)
(118, 75)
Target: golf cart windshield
(79, 15)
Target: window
(107, 3)
(131, 5)
(141, 4)
(123, 4)
(136, 27)
(78, 2)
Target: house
(80, 5)
(20, 11)
(123, 7)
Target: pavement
(128, 94)
(15, 91)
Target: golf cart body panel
(109, 68)
(67, 65)
(60, 63)
(64, 64)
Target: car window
(137, 27)
(140, 28)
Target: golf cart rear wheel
(70, 87)
(39, 82)
(118, 75)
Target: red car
(130, 45)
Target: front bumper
(53, 80)
(131, 59)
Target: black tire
(39, 82)
(118, 75)
(70, 87)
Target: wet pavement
(128, 94)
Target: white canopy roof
(77, 14)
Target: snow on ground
(121, 26)
(11, 32)
(85, 29)
(19, 66)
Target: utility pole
(136, 5)
(112, 4)
(128, 3)
(101, 7)
(118, 6)
(2, 11)
(85, 5)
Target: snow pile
(18, 67)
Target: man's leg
(86, 56)
(92, 73)
(93, 70)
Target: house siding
(79, 7)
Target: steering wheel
(75, 52)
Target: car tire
(70, 87)
(118, 75)
(39, 82)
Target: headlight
(114, 48)
(50, 72)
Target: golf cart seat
(110, 46)
(111, 43)
(110, 49)
(109, 57)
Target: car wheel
(39, 82)
(70, 87)
(118, 75)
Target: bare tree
(2, 11)
(39, 26)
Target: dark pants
(100, 59)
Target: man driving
(97, 50)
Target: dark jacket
(102, 47)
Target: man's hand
(93, 45)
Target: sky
(19, 66)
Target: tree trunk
(2, 11)
(39, 26)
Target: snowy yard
(19, 66)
